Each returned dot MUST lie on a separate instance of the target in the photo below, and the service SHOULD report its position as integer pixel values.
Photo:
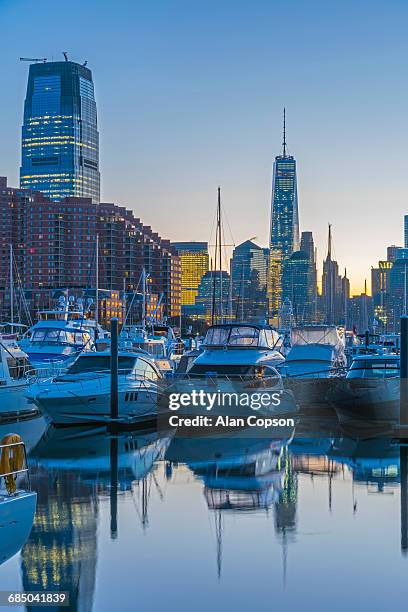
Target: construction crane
(65, 54)
(33, 59)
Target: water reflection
(72, 470)
(245, 508)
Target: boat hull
(367, 400)
(16, 521)
(13, 402)
(93, 406)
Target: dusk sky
(190, 96)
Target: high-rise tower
(284, 232)
(60, 141)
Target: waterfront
(317, 526)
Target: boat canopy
(317, 334)
(242, 336)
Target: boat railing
(35, 375)
(18, 461)
(98, 378)
(336, 372)
(247, 381)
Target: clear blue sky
(190, 96)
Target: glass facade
(194, 261)
(284, 231)
(60, 140)
(249, 265)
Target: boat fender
(11, 460)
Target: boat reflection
(242, 475)
(86, 452)
(72, 471)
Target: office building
(249, 268)
(299, 282)
(194, 262)
(284, 229)
(60, 141)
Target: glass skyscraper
(194, 260)
(249, 266)
(284, 231)
(60, 140)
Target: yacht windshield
(232, 336)
(59, 336)
(101, 363)
(243, 336)
(217, 336)
(156, 349)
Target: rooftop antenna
(284, 132)
(85, 63)
(65, 54)
(329, 244)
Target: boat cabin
(375, 366)
(57, 334)
(100, 363)
(241, 336)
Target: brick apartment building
(54, 248)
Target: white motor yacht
(317, 351)
(238, 358)
(62, 333)
(82, 393)
(15, 374)
(371, 389)
(158, 341)
(314, 361)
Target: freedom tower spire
(284, 229)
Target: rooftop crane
(33, 59)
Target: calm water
(318, 527)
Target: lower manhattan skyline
(179, 116)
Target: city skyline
(180, 123)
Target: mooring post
(114, 369)
(404, 373)
(367, 339)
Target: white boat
(370, 391)
(314, 361)
(238, 358)
(58, 336)
(317, 351)
(158, 341)
(15, 375)
(239, 350)
(82, 394)
(17, 507)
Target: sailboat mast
(213, 274)
(220, 250)
(144, 299)
(97, 283)
(11, 289)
